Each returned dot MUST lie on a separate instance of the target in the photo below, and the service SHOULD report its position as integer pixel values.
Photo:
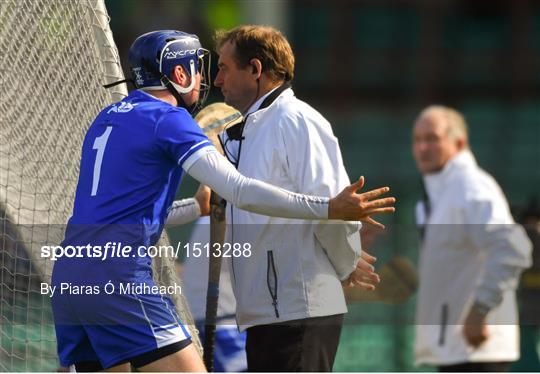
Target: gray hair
(457, 126)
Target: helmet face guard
(204, 64)
(153, 57)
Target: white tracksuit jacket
(472, 250)
(296, 266)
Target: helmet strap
(172, 89)
(170, 86)
(191, 86)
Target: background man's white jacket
(296, 266)
(472, 250)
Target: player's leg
(184, 360)
(141, 329)
(122, 368)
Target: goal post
(56, 57)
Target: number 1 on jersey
(100, 143)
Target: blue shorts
(114, 328)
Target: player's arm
(188, 210)
(182, 139)
(213, 170)
(183, 211)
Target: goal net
(55, 57)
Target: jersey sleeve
(179, 136)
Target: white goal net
(55, 56)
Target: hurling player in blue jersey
(133, 157)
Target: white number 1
(100, 143)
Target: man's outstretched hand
(351, 206)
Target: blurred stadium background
(370, 66)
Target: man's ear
(256, 67)
(179, 76)
(461, 143)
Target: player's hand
(351, 206)
(364, 275)
(475, 329)
(203, 198)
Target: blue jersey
(131, 165)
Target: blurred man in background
(471, 256)
(289, 293)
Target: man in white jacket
(471, 256)
(289, 291)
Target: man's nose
(218, 80)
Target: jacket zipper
(444, 323)
(272, 286)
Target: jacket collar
(435, 183)
(257, 104)
(235, 132)
(266, 100)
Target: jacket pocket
(444, 323)
(272, 281)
